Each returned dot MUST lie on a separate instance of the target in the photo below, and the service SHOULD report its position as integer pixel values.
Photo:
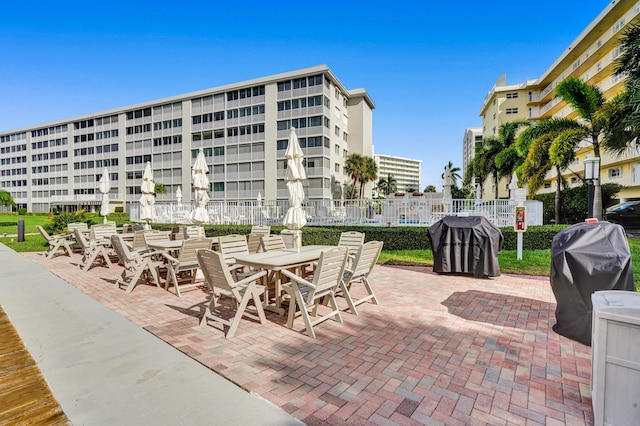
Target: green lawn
(9, 224)
(534, 262)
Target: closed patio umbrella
(147, 199)
(105, 186)
(179, 197)
(201, 188)
(295, 218)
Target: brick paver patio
(441, 349)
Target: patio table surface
(440, 349)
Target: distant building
(590, 57)
(472, 137)
(242, 127)
(406, 171)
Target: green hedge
(395, 238)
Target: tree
(622, 115)
(159, 189)
(387, 185)
(369, 173)
(484, 162)
(430, 188)
(453, 172)
(353, 166)
(509, 159)
(587, 100)
(549, 144)
(6, 199)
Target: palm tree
(387, 185)
(509, 158)
(353, 166)
(6, 199)
(549, 144)
(369, 173)
(429, 188)
(159, 188)
(622, 116)
(453, 172)
(587, 100)
(485, 161)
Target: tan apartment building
(472, 137)
(242, 127)
(590, 57)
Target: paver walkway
(441, 349)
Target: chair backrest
(328, 273)
(193, 232)
(81, 240)
(254, 242)
(44, 233)
(189, 249)
(261, 229)
(289, 237)
(351, 239)
(366, 259)
(79, 225)
(138, 240)
(231, 245)
(102, 230)
(273, 242)
(177, 233)
(122, 250)
(150, 236)
(126, 228)
(215, 270)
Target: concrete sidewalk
(103, 369)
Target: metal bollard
(20, 230)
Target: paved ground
(441, 349)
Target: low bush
(58, 223)
(119, 209)
(22, 211)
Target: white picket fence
(406, 211)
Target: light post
(591, 175)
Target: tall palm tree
(353, 166)
(454, 172)
(369, 173)
(587, 100)
(509, 158)
(549, 144)
(485, 161)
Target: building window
(615, 172)
(512, 110)
(513, 95)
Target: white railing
(406, 211)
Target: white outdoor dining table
(165, 245)
(277, 260)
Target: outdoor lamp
(592, 168)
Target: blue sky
(427, 65)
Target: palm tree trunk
(558, 199)
(495, 182)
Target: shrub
(58, 223)
(119, 209)
(22, 211)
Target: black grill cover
(466, 244)
(586, 258)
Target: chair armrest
(250, 278)
(297, 278)
(168, 256)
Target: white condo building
(472, 137)
(242, 127)
(406, 171)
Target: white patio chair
(140, 264)
(92, 251)
(181, 272)
(220, 281)
(363, 264)
(308, 294)
(261, 229)
(55, 242)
